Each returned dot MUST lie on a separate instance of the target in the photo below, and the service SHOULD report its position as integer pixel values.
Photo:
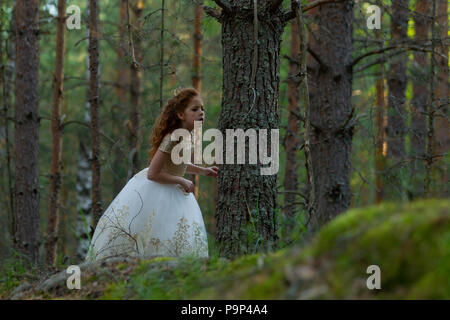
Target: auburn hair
(168, 120)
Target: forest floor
(409, 242)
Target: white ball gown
(148, 219)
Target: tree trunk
(419, 100)
(442, 94)
(63, 230)
(161, 57)
(380, 139)
(84, 182)
(94, 104)
(55, 166)
(331, 111)
(291, 139)
(396, 130)
(135, 96)
(7, 73)
(119, 110)
(246, 220)
(84, 200)
(196, 78)
(26, 233)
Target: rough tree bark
(56, 158)
(331, 114)
(26, 215)
(245, 216)
(94, 104)
(396, 130)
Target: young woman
(156, 214)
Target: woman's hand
(187, 185)
(211, 171)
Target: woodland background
(166, 42)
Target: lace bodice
(170, 167)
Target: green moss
(410, 242)
(405, 240)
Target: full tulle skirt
(148, 219)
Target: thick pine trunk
(291, 140)
(94, 104)
(397, 115)
(331, 111)
(246, 220)
(55, 166)
(419, 99)
(26, 215)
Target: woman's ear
(180, 116)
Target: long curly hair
(168, 120)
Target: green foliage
(13, 271)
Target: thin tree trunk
(161, 57)
(431, 109)
(84, 182)
(443, 96)
(419, 100)
(380, 139)
(94, 104)
(55, 166)
(84, 199)
(62, 243)
(196, 78)
(135, 95)
(7, 71)
(331, 116)
(119, 110)
(380, 135)
(291, 139)
(26, 232)
(397, 80)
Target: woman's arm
(193, 169)
(209, 171)
(155, 172)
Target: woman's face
(193, 112)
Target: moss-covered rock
(410, 243)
